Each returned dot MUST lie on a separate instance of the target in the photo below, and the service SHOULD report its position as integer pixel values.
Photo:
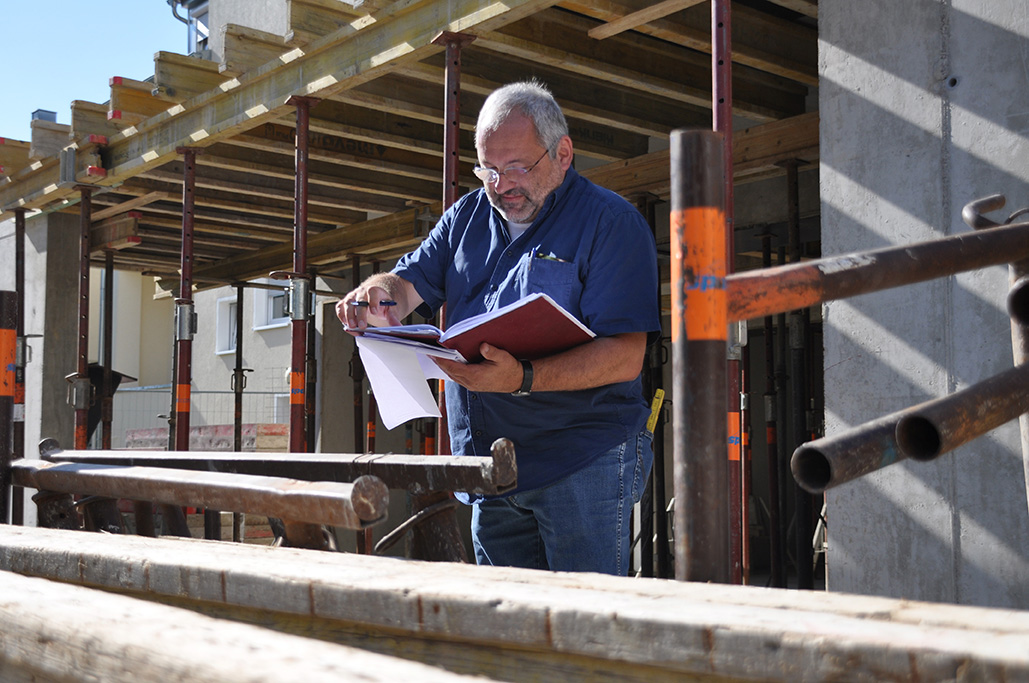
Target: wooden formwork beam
(518, 624)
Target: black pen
(384, 302)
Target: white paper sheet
(398, 375)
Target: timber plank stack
(521, 625)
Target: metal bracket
(424, 218)
(300, 299)
(80, 391)
(185, 320)
(737, 340)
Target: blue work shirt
(600, 265)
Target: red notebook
(531, 327)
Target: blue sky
(56, 51)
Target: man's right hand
(363, 306)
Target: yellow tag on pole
(655, 408)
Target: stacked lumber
(520, 625)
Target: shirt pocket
(557, 279)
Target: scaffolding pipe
(81, 392)
(107, 342)
(1018, 271)
(299, 440)
(8, 353)
(699, 335)
(21, 359)
(356, 367)
(721, 92)
(776, 579)
(798, 388)
(923, 432)
(799, 285)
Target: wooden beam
(178, 78)
(133, 101)
(245, 48)
(519, 624)
(116, 232)
(48, 138)
(808, 8)
(90, 118)
(14, 156)
(643, 16)
(44, 639)
(760, 41)
(133, 204)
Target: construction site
(191, 449)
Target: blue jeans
(577, 524)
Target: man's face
(519, 197)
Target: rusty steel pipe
(415, 473)
(184, 304)
(1018, 272)
(351, 506)
(21, 358)
(798, 285)
(299, 440)
(699, 336)
(922, 432)
(8, 353)
(81, 383)
(936, 427)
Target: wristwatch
(526, 387)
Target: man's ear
(565, 153)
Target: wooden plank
(46, 635)
(543, 626)
(133, 204)
(14, 156)
(760, 41)
(247, 48)
(312, 19)
(177, 77)
(48, 138)
(639, 17)
(335, 63)
(114, 233)
(134, 101)
(808, 8)
(90, 118)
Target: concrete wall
(272, 17)
(924, 107)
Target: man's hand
(364, 305)
(498, 371)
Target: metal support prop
(721, 92)
(80, 381)
(8, 353)
(300, 288)
(798, 389)
(699, 335)
(777, 577)
(17, 495)
(239, 383)
(357, 367)
(185, 328)
(107, 342)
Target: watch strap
(526, 387)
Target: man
(577, 418)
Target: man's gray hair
(531, 99)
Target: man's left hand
(498, 371)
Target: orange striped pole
(8, 355)
(699, 338)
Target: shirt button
(478, 432)
(492, 288)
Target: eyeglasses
(491, 176)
